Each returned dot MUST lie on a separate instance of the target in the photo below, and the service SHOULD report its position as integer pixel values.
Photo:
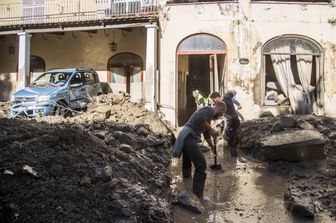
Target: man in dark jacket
(187, 143)
(232, 120)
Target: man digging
(187, 144)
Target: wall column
(150, 81)
(24, 60)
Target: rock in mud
(287, 121)
(191, 202)
(266, 114)
(125, 138)
(296, 145)
(142, 131)
(277, 127)
(299, 205)
(56, 170)
(305, 125)
(332, 135)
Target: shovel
(216, 166)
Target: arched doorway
(37, 67)
(125, 73)
(200, 66)
(293, 74)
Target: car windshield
(51, 79)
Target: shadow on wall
(5, 87)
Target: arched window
(123, 66)
(197, 43)
(125, 74)
(292, 68)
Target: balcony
(70, 12)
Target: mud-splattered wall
(245, 27)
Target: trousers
(232, 126)
(193, 154)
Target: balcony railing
(69, 11)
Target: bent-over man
(187, 143)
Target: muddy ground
(253, 189)
(109, 164)
(311, 182)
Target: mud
(309, 180)
(86, 168)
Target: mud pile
(114, 108)
(312, 184)
(93, 167)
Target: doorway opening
(293, 74)
(37, 67)
(125, 73)
(200, 66)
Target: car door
(77, 91)
(90, 84)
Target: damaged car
(56, 92)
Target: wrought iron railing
(63, 11)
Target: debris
(8, 172)
(191, 202)
(287, 121)
(85, 181)
(108, 172)
(125, 138)
(332, 135)
(56, 170)
(29, 170)
(299, 205)
(298, 145)
(305, 125)
(83, 158)
(277, 127)
(266, 114)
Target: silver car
(56, 92)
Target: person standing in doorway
(231, 115)
(187, 143)
(200, 100)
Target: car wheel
(62, 109)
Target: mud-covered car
(56, 92)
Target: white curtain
(284, 75)
(304, 65)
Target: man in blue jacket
(187, 143)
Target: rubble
(298, 145)
(311, 183)
(298, 205)
(191, 202)
(92, 167)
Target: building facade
(279, 56)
